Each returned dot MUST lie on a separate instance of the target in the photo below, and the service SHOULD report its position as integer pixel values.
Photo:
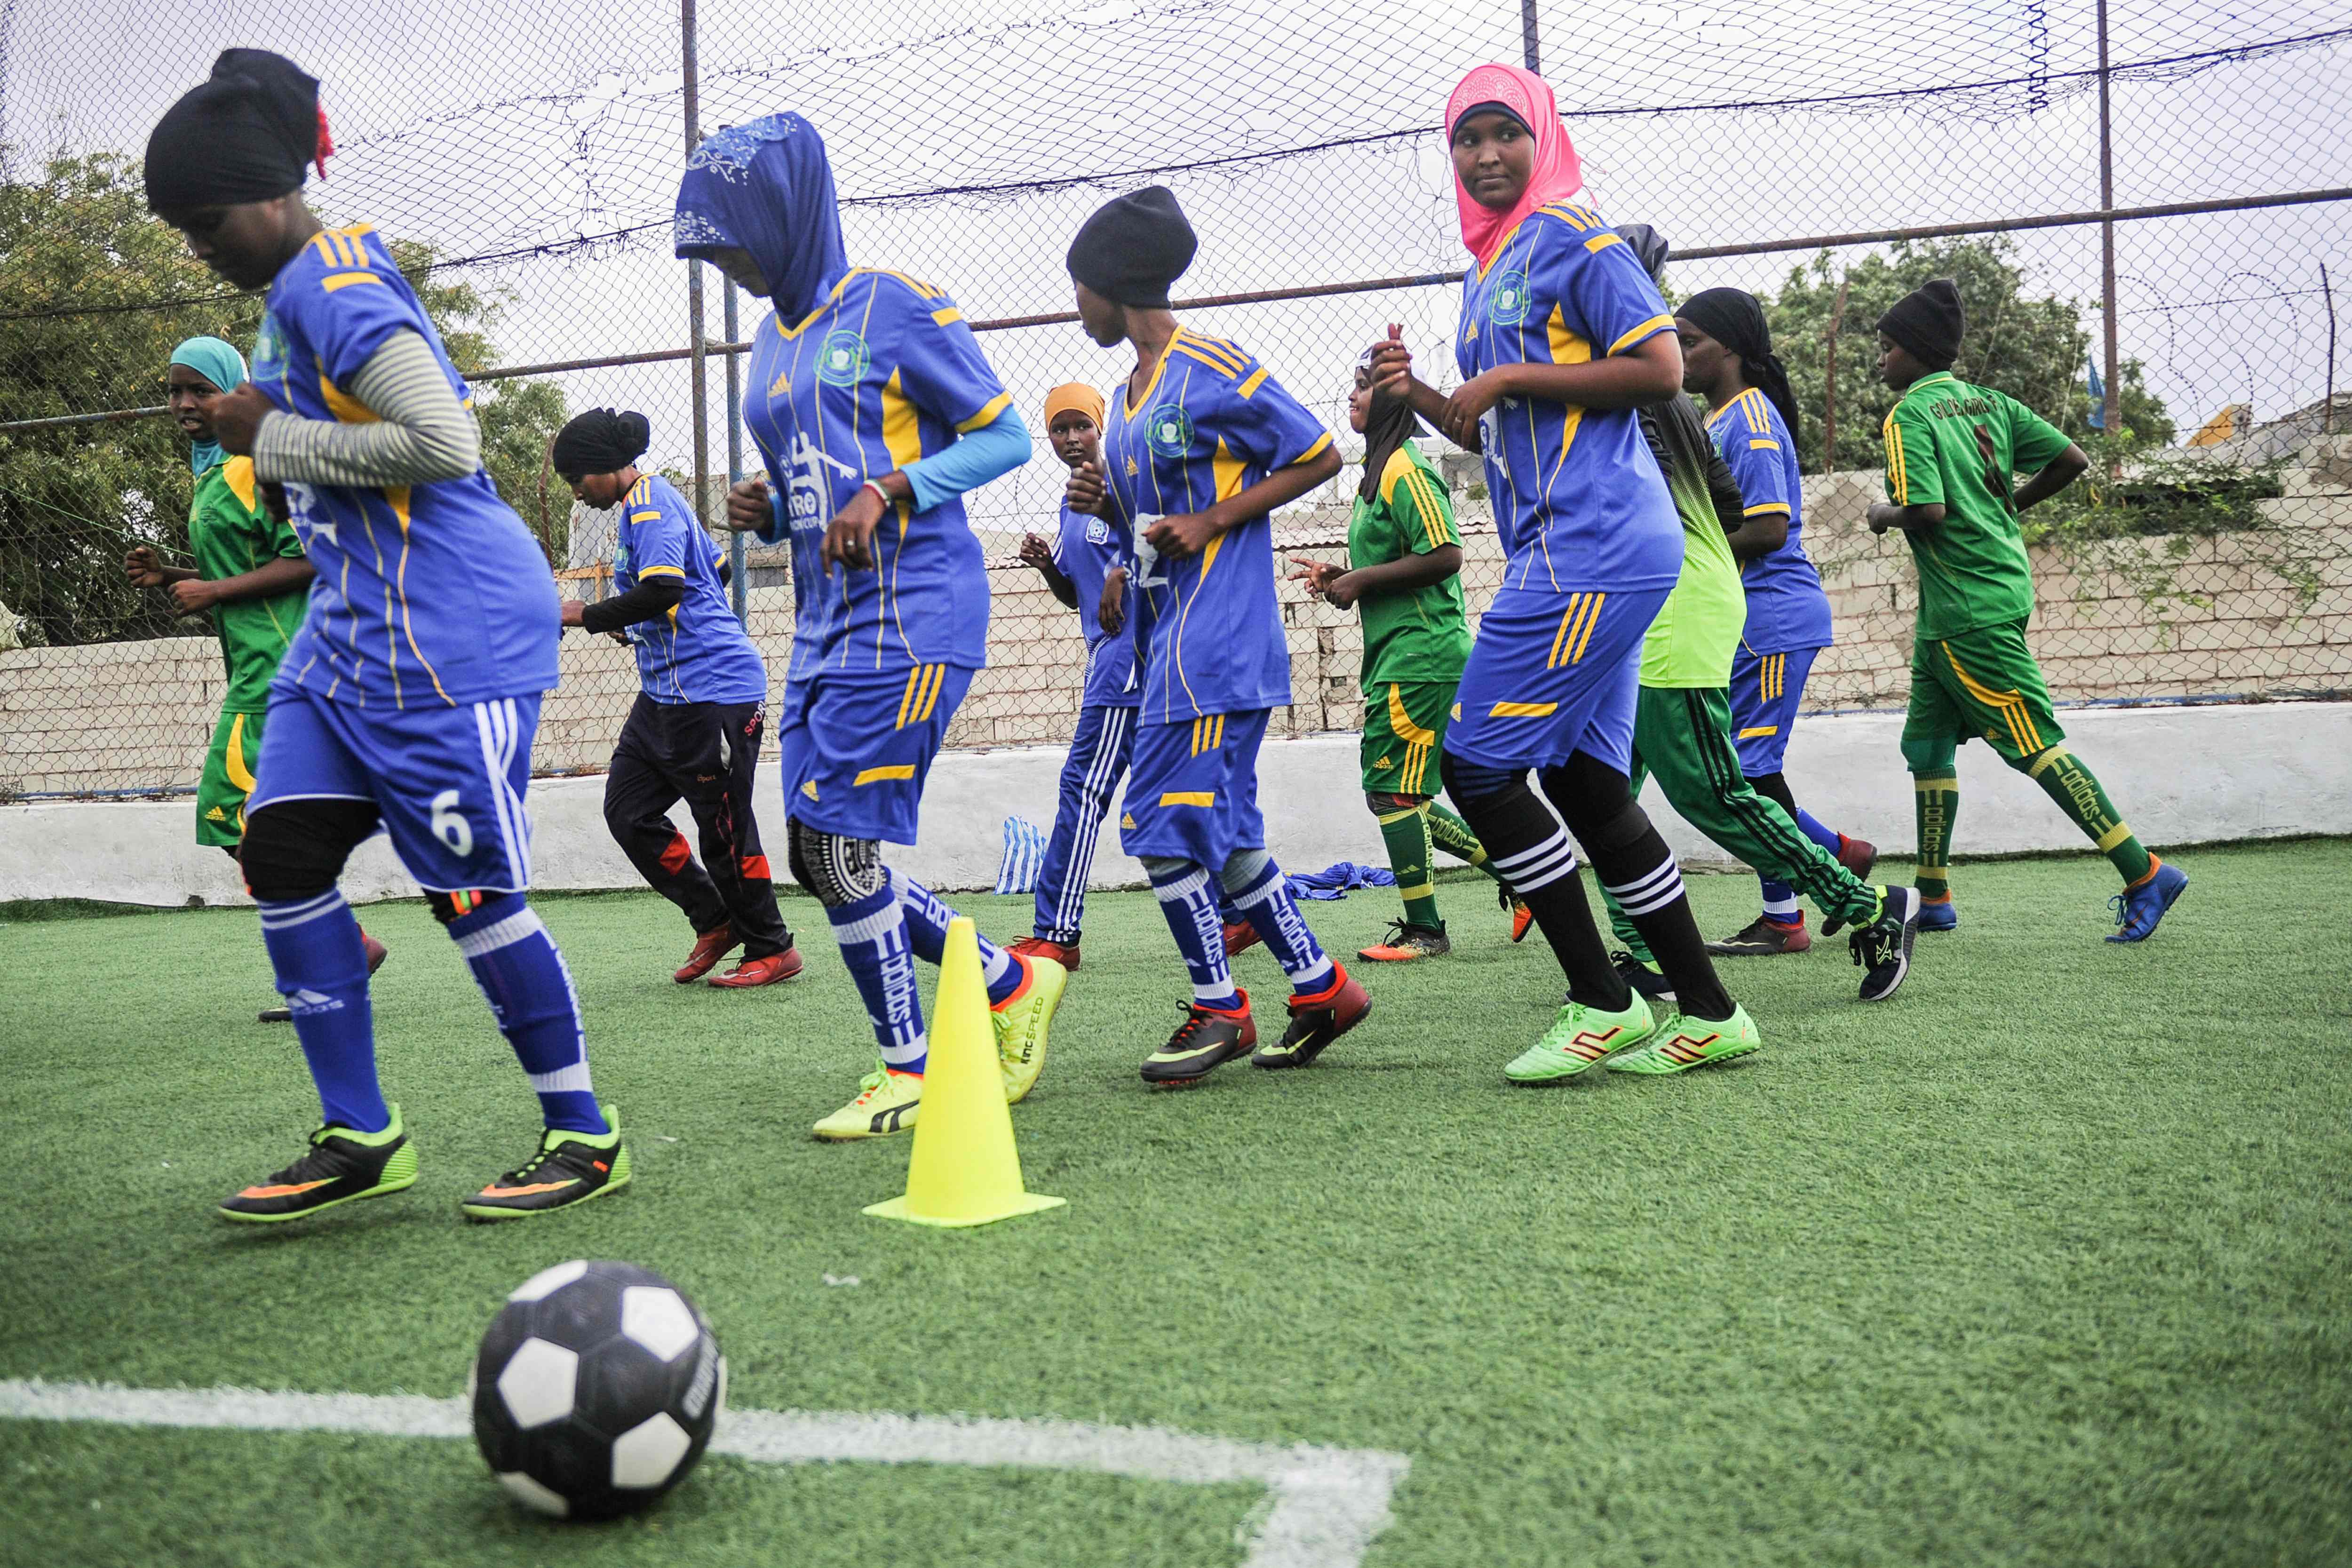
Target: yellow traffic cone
(964, 1168)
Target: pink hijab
(1557, 175)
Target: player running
(1952, 450)
(250, 576)
(1563, 335)
(1728, 359)
(1682, 724)
(1404, 568)
(408, 698)
(1202, 446)
(1086, 567)
(875, 412)
(694, 731)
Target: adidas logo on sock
(302, 1004)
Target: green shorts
(227, 779)
(1982, 682)
(1404, 734)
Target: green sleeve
(2035, 442)
(1418, 499)
(1912, 477)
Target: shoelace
(529, 1166)
(1195, 1019)
(2121, 904)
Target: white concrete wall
(2180, 775)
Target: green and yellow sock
(2064, 779)
(1937, 802)
(1406, 834)
(1454, 835)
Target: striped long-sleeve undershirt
(421, 433)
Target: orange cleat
(765, 971)
(1066, 955)
(708, 949)
(1522, 920)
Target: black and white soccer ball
(595, 1389)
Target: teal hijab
(221, 364)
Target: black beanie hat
(243, 135)
(1133, 248)
(1927, 323)
(600, 441)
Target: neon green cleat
(1681, 1043)
(1577, 1038)
(1021, 1021)
(567, 1168)
(886, 1104)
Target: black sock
(1774, 787)
(1635, 864)
(1529, 848)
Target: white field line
(1328, 1503)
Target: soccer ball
(595, 1389)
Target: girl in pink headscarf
(1563, 337)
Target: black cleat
(1203, 1042)
(343, 1164)
(1883, 948)
(1315, 1021)
(1646, 982)
(570, 1168)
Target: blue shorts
(447, 782)
(1551, 675)
(855, 749)
(1765, 688)
(1192, 790)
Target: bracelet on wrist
(879, 493)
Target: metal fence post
(2114, 412)
(740, 587)
(1530, 47)
(691, 98)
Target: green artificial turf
(2043, 1262)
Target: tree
(2033, 349)
(97, 293)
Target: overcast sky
(502, 124)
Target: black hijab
(1389, 424)
(243, 135)
(1735, 318)
(600, 441)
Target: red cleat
(1522, 920)
(1857, 856)
(1315, 1021)
(1239, 936)
(708, 949)
(765, 971)
(1042, 947)
(376, 951)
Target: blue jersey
(699, 652)
(1085, 549)
(1210, 424)
(427, 594)
(1787, 609)
(1578, 499)
(883, 371)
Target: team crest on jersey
(1508, 305)
(1169, 430)
(1097, 532)
(843, 359)
(620, 558)
(268, 352)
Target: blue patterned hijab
(766, 188)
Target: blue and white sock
(1262, 895)
(926, 933)
(321, 969)
(530, 991)
(873, 935)
(1780, 899)
(1183, 890)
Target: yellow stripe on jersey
(645, 516)
(987, 415)
(1523, 709)
(1203, 356)
(346, 408)
(1898, 489)
(334, 281)
(1224, 357)
(1189, 797)
(1230, 471)
(1755, 730)
(1764, 506)
(1313, 452)
(885, 774)
(947, 314)
(1601, 242)
(922, 290)
(645, 571)
(1756, 446)
(1647, 329)
(1256, 380)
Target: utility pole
(699, 354)
(2115, 407)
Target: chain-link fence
(1827, 155)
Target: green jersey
(1692, 641)
(1957, 446)
(1423, 635)
(230, 532)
